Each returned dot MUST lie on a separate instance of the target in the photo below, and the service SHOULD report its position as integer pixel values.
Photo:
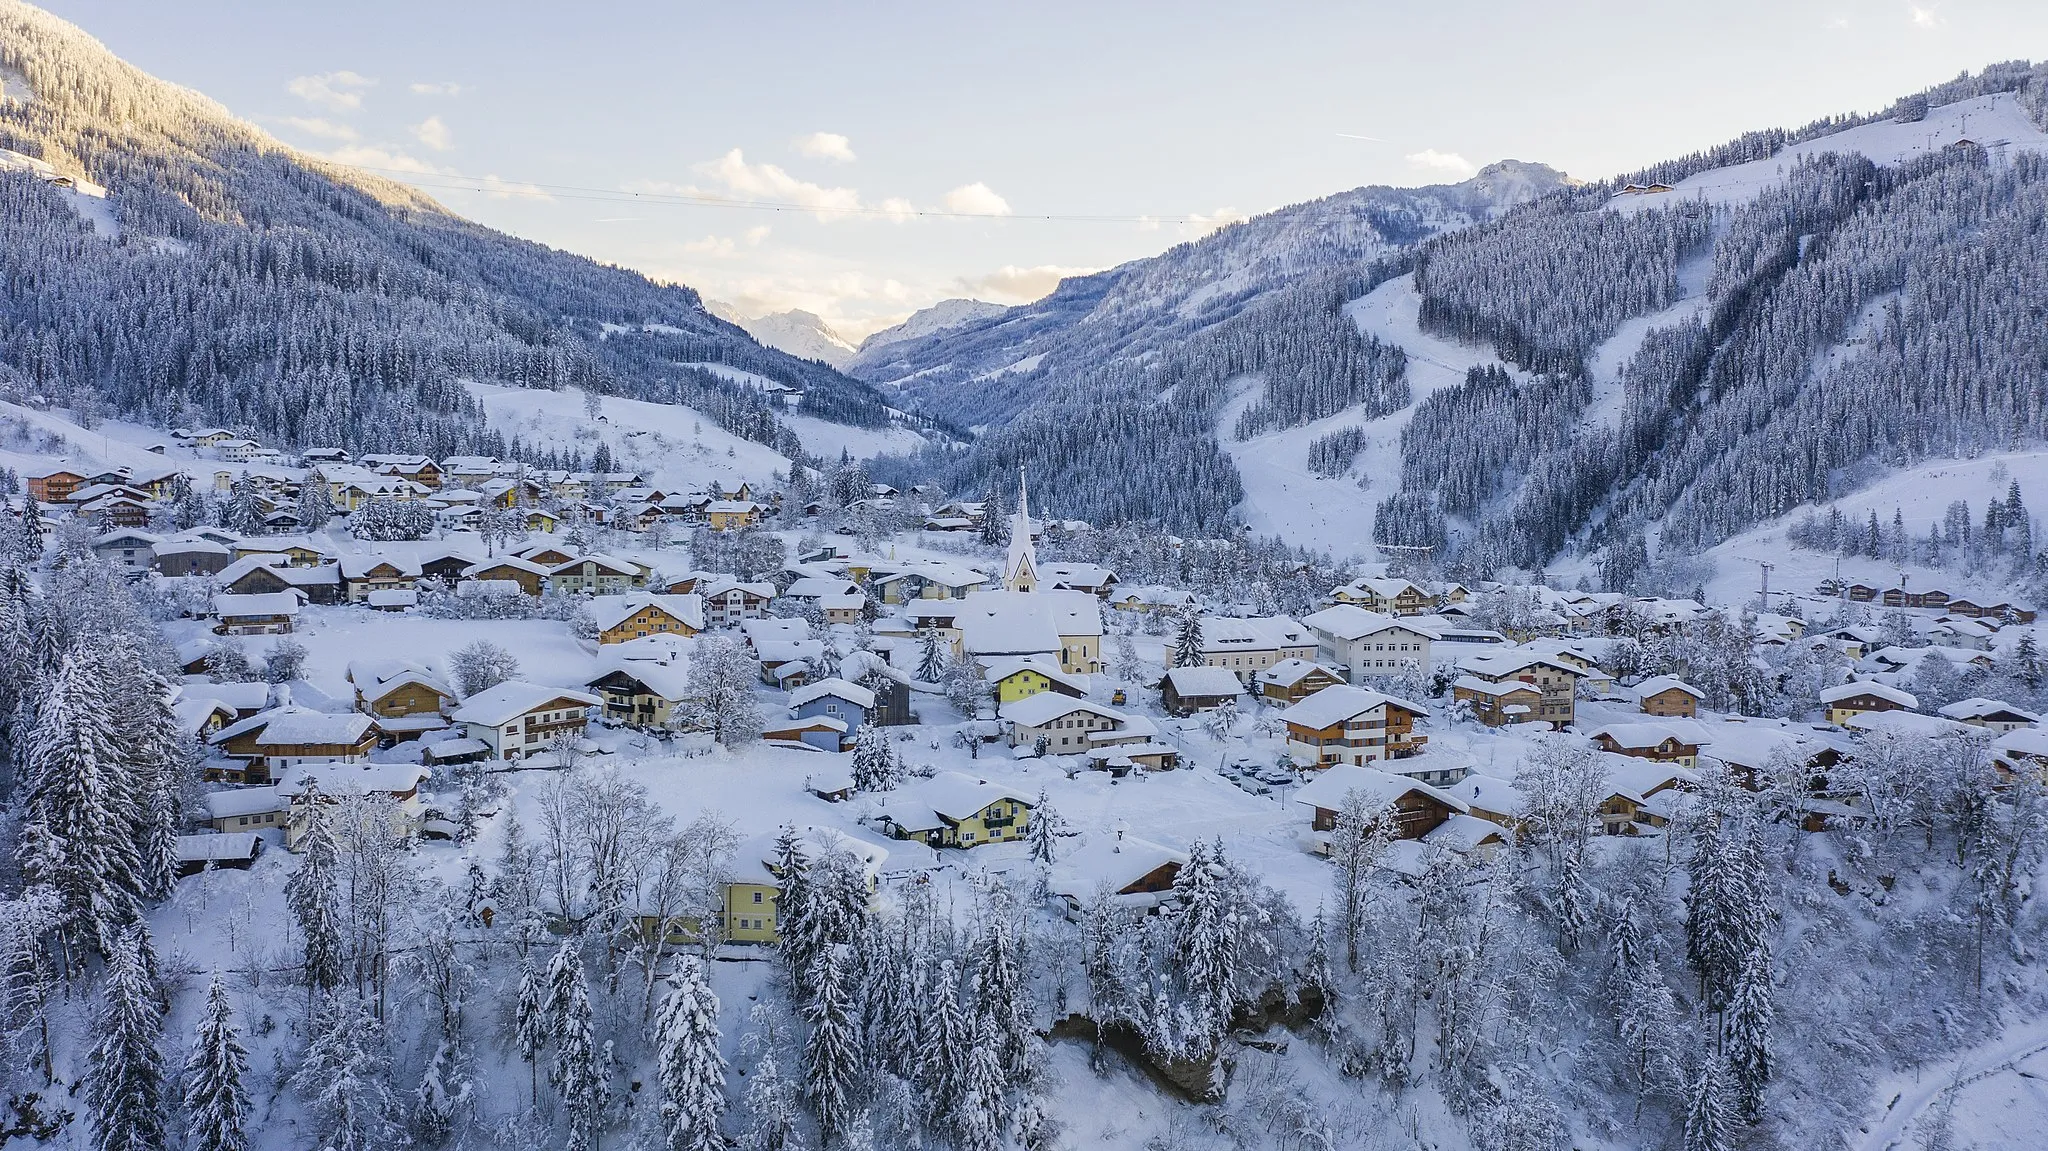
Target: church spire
(1020, 571)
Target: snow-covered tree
(316, 503)
(1707, 1122)
(688, 1066)
(578, 1073)
(932, 655)
(978, 1114)
(1187, 637)
(125, 1090)
(216, 1091)
(531, 1025)
(771, 1107)
(874, 760)
(833, 1064)
(344, 1078)
(1746, 1031)
(722, 697)
(312, 894)
(1042, 834)
(480, 666)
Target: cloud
(381, 158)
(1010, 284)
(768, 182)
(824, 146)
(1924, 17)
(336, 91)
(322, 129)
(976, 199)
(434, 134)
(899, 209)
(757, 234)
(1202, 224)
(711, 246)
(1441, 161)
(444, 88)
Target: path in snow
(1980, 1065)
(1604, 366)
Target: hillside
(234, 281)
(800, 333)
(1587, 367)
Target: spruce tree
(1706, 1110)
(1723, 914)
(1000, 994)
(874, 761)
(311, 894)
(216, 1096)
(344, 1077)
(978, 1112)
(577, 1072)
(949, 1033)
(932, 655)
(530, 1021)
(771, 1111)
(688, 1066)
(1041, 835)
(125, 1091)
(1187, 642)
(1746, 1031)
(833, 1068)
(1201, 943)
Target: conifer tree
(1723, 914)
(311, 893)
(1706, 1110)
(978, 1113)
(1000, 995)
(1187, 641)
(577, 1073)
(874, 760)
(1746, 1031)
(1201, 943)
(1041, 835)
(530, 1021)
(216, 1094)
(948, 1034)
(771, 1111)
(688, 1066)
(125, 1090)
(833, 1067)
(344, 1077)
(932, 655)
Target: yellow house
(642, 692)
(732, 515)
(629, 617)
(1020, 677)
(955, 810)
(749, 914)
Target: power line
(497, 186)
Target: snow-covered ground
(675, 445)
(825, 439)
(1604, 366)
(1996, 122)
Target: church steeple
(1020, 570)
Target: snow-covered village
(1479, 659)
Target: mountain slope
(802, 335)
(250, 286)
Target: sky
(890, 155)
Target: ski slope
(674, 446)
(1996, 122)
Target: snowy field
(675, 445)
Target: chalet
(243, 699)
(1149, 600)
(1858, 697)
(288, 735)
(849, 703)
(1249, 646)
(1065, 723)
(55, 485)
(1187, 690)
(755, 882)
(547, 556)
(1367, 643)
(1489, 684)
(1293, 680)
(245, 809)
(1346, 724)
(293, 551)
(419, 469)
(1134, 745)
(732, 515)
(597, 575)
(361, 575)
(1094, 579)
(1755, 756)
(261, 574)
(1017, 677)
(1416, 809)
(727, 600)
(267, 613)
(642, 693)
(1639, 793)
(955, 810)
(1669, 697)
(628, 617)
(189, 557)
(1386, 596)
(819, 732)
(200, 718)
(525, 574)
(1992, 715)
(1122, 869)
(306, 784)
(392, 689)
(127, 548)
(193, 854)
(518, 719)
(1672, 741)
(1495, 800)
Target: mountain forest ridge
(1641, 381)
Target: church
(1022, 618)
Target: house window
(757, 897)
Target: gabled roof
(1500, 663)
(1339, 703)
(1000, 668)
(1256, 633)
(852, 693)
(263, 603)
(1041, 709)
(1978, 707)
(1659, 684)
(1650, 733)
(298, 727)
(613, 610)
(1870, 687)
(616, 565)
(1289, 672)
(514, 698)
(1110, 863)
(946, 798)
(360, 566)
(1328, 789)
(1194, 682)
(514, 563)
(1348, 621)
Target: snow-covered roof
(239, 696)
(260, 603)
(811, 587)
(1289, 672)
(349, 778)
(1872, 688)
(1465, 833)
(514, 698)
(503, 563)
(946, 798)
(1978, 707)
(1491, 793)
(838, 688)
(1339, 703)
(1257, 633)
(1659, 684)
(209, 848)
(774, 628)
(1500, 663)
(300, 727)
(1194, 682)
(239, 801)
(1328, 789)
(1110, 862)
(667, 678)
(1650, 733)
(1347, 621)
(1041, 709)
(1474, 684)
(1908, 723)
(360, 566)
(1752, 745)
(1000, 668)
(612, 610)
